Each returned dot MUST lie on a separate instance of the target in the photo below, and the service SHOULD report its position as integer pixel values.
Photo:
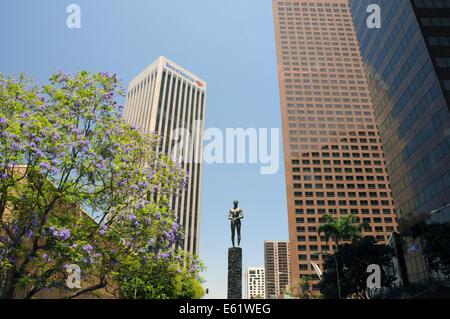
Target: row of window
(333, 59)
(327, 93)
(365, 220)
(435, 22)
(336, 169)
(439, 41)
(378, 229)
(333, 133)
(338, 162)
(334, 211)
(324, 28)
(324, 22)
(330, 112)
(341, 203)
(337, 155)
(336, 107)
(331, 119)
(340, 194)
(315, 247)
(309, 4)
(338, 186)
(325, 133)
(326, 87)
(333, 186)
(443, 62)
(432, 3)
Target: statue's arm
(229, 214)
(241, 214)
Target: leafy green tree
(340, 228)
(302, 289)
(65, 148)
(437, 248)
(353, 260)
(161, 282)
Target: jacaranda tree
(78, 185)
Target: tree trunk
(7, 291)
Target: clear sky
(228, 43)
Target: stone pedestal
(235, 273)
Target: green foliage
(437, 248)
(161, 282)
(353, 260)
(340, 228)
(301, 289)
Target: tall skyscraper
(256, 282)
(408, 68)
(277, 267)
(333, 156)
(162, 98)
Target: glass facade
(406, 62)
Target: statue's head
(235, 202)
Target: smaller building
(256, 287)
(277, 268)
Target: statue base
(235, 273)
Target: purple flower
(24, 115)
(64, 234)
(30, 233)
(45, 165)
(165, 255)
(74, 246)
(87, 248)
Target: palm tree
(340, 228)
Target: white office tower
(256, 286)
(171, 101)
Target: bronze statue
(235, 215)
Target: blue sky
(228, 43)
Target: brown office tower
(277, 266)
(333, 156)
